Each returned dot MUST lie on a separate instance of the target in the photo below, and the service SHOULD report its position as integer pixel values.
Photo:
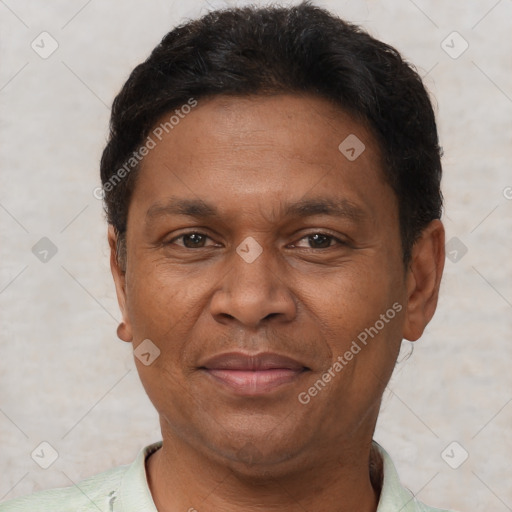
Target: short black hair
(302, 49)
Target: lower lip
(251, 383)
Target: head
(280, 193)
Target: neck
(182, 479)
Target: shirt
(125, 489)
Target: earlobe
(124, 331)
(424, 279)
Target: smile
(252, 375)
(252, 383)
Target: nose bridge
(253, 288)
(254, 270)
(253, 257)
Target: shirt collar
(394, 497)
(134, 493)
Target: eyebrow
(200, 209)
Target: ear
(424, 279)
(124, 331)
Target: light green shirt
(125, 489)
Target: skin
(303, 297)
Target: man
(272, 188)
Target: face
(265, 264)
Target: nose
(253, 292)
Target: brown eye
(320, 241)
(191, 240)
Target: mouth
(252, 375)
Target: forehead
(239, 151)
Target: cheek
(351, 298)
(362, 315)
(160, 300)
(168, 392)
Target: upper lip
(255, 362)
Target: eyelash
(321, 233)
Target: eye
(320, 240)
(192, 240)
(197, 240)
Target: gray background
(66, 379)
